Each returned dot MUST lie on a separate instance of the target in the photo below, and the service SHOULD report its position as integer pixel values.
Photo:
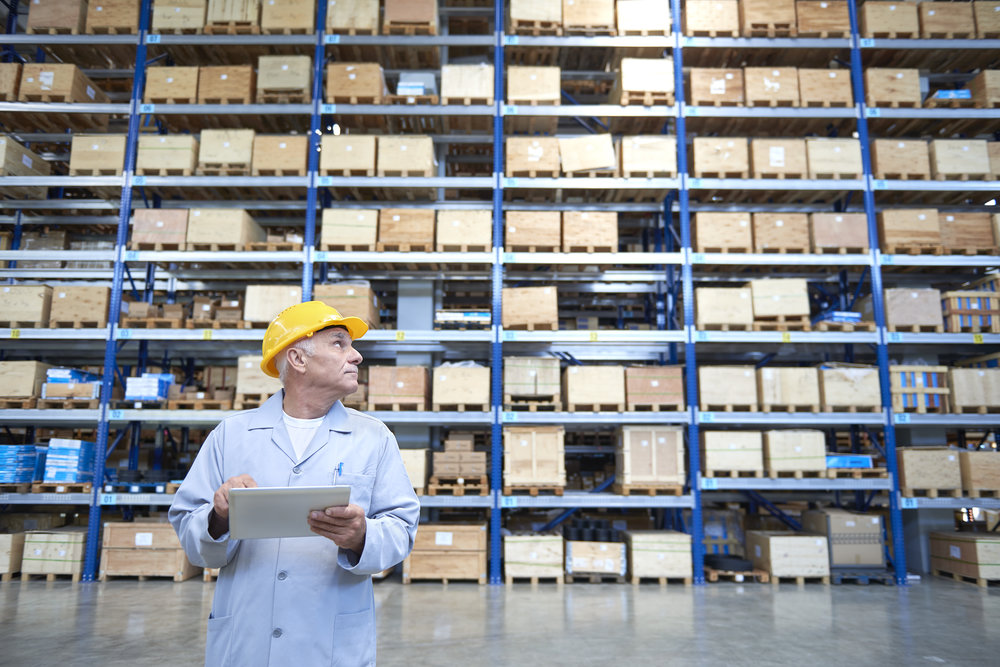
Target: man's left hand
(345, 526)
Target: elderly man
(305, 600)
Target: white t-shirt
(300, 432)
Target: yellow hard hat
(300, 321)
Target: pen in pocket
(338, 472)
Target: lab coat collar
(270, 415)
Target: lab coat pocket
(218, 641)
(361, 488)
(354, 639)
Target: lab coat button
(282, 575)
(297, 470)
(276, 633)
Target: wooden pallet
(790, 250)
(589, 29)
(17, 403)
(533, 490)
(906, 249)
(20, 487)
(156, 247)
(407, 579)
(721, 174)
(249, 401)
(113, 171)
(142, 577)
(595, 407)
(218, 324)
(837, 176)
(973, 252)
(645, 98)
(975, 409)
(447, 247)
(210, 574)
(649, 489)
(655, 407)
(139, 405)
(963, 176)
(845, 326)
(333, 247)
(781, 407)
(916, 328)
(450, 485)
(390, 27)
(460, 407)
(164, 172)
(728, 407)
(532, 248)
(77, 324)
(852, 408)
(901, 176)
(727, 250)
(404, 247)
(775, 103)
(532, 403)
(61, 487)
(825, 580)
(595, 578)
(396, 406)
(662, 581)
(982, 493)
(232, 28)
(893, 104)
(535, 28)
(772, 30)
(199, 404)
(28, 576)
(274, 246)
(979, 581)
(649, 174)
(795, 474)
(152, 323)
(733, 473)
(171, 100)
(782, 323)
(930, 493)
(760, 576)
(856, 473)
(214, 247)
(68, 403)
(590, 248)
(223, 168)
(861, 576)
(557, 579)
(533, 326)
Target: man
(307, 600)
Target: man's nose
(356, 357)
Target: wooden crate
(779, 296)
(588, 17)
(716, 87)
(838, 232)
(45, 82)
(971, 311)
(825, 87)
(349, 229)
(467, 84)
(723, 308)
(163, 228)
(530, 230)
(909, 230)
(967, 233)
(980, 472)
(985, 88)
(231, 227)
(250, 379)
(530, 308)
(649, 457)
(406, 156)
(960, 159)
(654, 388)
(280, 155)
(771, 86)
(768, 18)
(788, 389)
(907, 308)
(532, 156)
(57, 17)
(16, 160)
(398, 388)
(594, 388)
(892, 87)
(987, 15)
(233, 15)
(97, 154)
(171, 85)
(590, 231)
(781, 232)
(225, 152)
(850, 388)
(12, 549)
(415, 462)
(975, 390)
(58, 551)
(347, 155)
(144, 563)
(711, 18)
(288, 17)
(721, 157)
(10, 80)
(464, 230)
(834, 158)
(76, 304)
(264, 302)
(821, 18)
(533, 85)
(42, 241)
(459, 386)
(533, 556)
(722, 232)
(785, 554)
(643, 17)
(532, 378)
(888, 20)
(728, 452)
(534, 456)
(856, 540)
(600, 558)
(919, 388)
(966, 556)
(351, 300)
(113, 17)
(993, 149)
(21, 379)
(928, 469)
(592, 154)
(794, 450)
(648, 156)
(179, 16)
(355, 83)
(226, 84)
(410, 17)
(167, 155)
(951, 20)
(284, 79)
(353, 17)
(900, 159)
(645, 81)
(406, 229)
(727, 388)
(660, 554)
(445, 552)
(778, 158)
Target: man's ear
(296, 359)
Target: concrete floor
(135, 623)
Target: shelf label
(867, 43)
(131, 255)
(400, 335)
(901, 418)
(508, 501)
(324, 181)
(786, 337)
(691, 111)
(509, 416)
(702, 337)
(510, 182)
(328, 108)
(320, 256)
(706, 417)
(206, 334)
(888, 259)
(871, 112)
(138, 180)
(908, 503)
(694, 182)
(895, 337)
(124, 334)
(698, 258)
(508, 257)
(147, 108)
(152, 39)
(510, 40)
(687, 41)
(109, 499)
(509, 110)
(331, 39)
(15, 333)
(510, 335)
(880, 184)
(709, 483)
(977, 339)
(593, 336)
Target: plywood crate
(57, 17)
(892, 87)
(855, 540)
(919, 388)
(588, 17)
(284, 79)
(97, 154)
(533, 85)
(415, 462)
(900, 159)
(227, 228)
(909, 230)
(531, 378)
(987, 16)
(822, 18)
(179, 16)
(350, 300)
(16, 160)
(76, 306)
(226, 84)
(728, 453)
(778, 158)
(250, 379)
(788, 389)
(916, 309)
(143, 548)
(241, 15)
(530, 308)
(263, 302)
(410, 17)
(532, 156)
(724, 308)
(532, 230)
(588, 155)
(171, 85)
(645, 81)
(58, 551)
(795, 451)
(280, 155)
(771, 86)
(347, 155)
(466, 388)
(533, 556)
(993, 149)
(12, 549)
(985, 88)
(113, 17)
(721, 157)
(722, 232)
(161, 228)
(21, 379)
(534, 456)
(406, 229)
(349, 229)
(406, 156)
(595, 558)
(711, 18)
(834, 158)
(649, 457)
(288, 17)
(775, 297)
(355, 83)
(980, 472)
(659, 554)
(971, 312)
(786, 554)
(716, 87)
(952, 20)
(960, 159)
(648, 156)
(975, 390)
(398, 387)
(464, 231)
(445, 552)
(45, 82)
(42, 241)
(838, 232)
(225, 152)
(825, 87)
(768, 18)
(654, 388)
(25, 306)
(643, 17)
(10, 80)
(850, 388)
(966, 556)
(594, 388)
(929, 469)
(467, 84)
(727, 388)
(163, 155)
(781, 232)
(590, 231)
(889, 20)
(353, 17)
(534, 17)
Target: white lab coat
(297, 601)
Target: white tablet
(280, 511)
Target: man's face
(334, 366)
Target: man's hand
(344, 525)
(218, 522)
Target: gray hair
(307, 345)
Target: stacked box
(732, 451)
(768, 18)
(794, 450)
(967, 233)
(787, 388)
(160, 227)
(167, 155)
(228, 150)
(69, 461)
(847, 232)
(820, 18)
(658, 553)
(980, 472)
(588, 153)
(774, 297)
(825, 88)
(462, 230)
(58, 551)
(279, 76)
(534, 456)
(722, 232)
(459, 385)
(347, 155)
(919, 388)
(711, 18)
(246, 12)
(534, 555)
(723, 308)
(585, 558)
(530, 307)
(587, 16)
(648, 156)
(350, 300)
(904, 228)
(179, 15)
(947, 21)
(966, 555)
(888, 19)
(250, 379)
(282, 155)
(594, 386)
(10, 80)
(45, 82)
(654, 388)
(531, 377)
(467, 82)
(646, 81)
(928, 468)
(784, 554)
(962, 159)
(97, 154)
(415, 462)
(57, 16)
(587, 231)
(405, 16)
(355, 83)
(113, 17)
(855, 539)
(643, 17)
(349, 228)
(16, 160)
(532, 156)
(171, 85)
(900, 159)
(532, 229)
(79, 303)
(781, 232)
(778, 158)
(849, 387)
(906, 308)
(406, 386)
(533, 85)
(288, 16)
(727, 386)
(971, 311)
(264, 302)
(222, 227)
(355, 17)
(771, 86)
(407, 228)
(406, 156)
(716, 87)
(445, 552)
(226, 84)
(985, 88)
(650, 456)
(143, 549)
(26, 305)
(834, 158)
(987, 15)
(458, 464)
(974, 389)
(22, 379)
(12, 550)
(892, 87)
(721, 157)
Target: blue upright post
(315, 128)
(690, 367)
(882, 350)
(110, 352)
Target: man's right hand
(218, 523)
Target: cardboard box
(222, 226)
(143, 548)
(834, 158)
(347, 155)
(779, 296)
(346, 229)
(464, 230)
(924, 468)
(530, 307)
(728, 451)
(723, 308)
(974, 389)
(967, 232)
(593, 152)
(900, 159)
(415, 462)
(654, 388)
(597, 386)
(658, 553)
(722, 232)
(888, 20)
(980, 472)
(25, 306)
(727, 385)
(781, 232)
(900, 228)
(444, 551)
(401, 15)
(113, 17)
(160, 226)
(532, 156)
(79, 303)
(949, 21)
(406, 156)
(892, 86)
(22, 379)
(825, 87)
(721, 157)
(406, 386)
(711, 86)
(648, 156)
(350, 300)
(535, 555)
(530, 230)
(784, 554)
(288, 16)
(533, 85)
(12, 549)
(960, 159)
(768, 18)
(531, 377)
(819, 18)
(646, 81)
(58, 551)
(226, 84)
(838, 231)
(264, 302)
(57, 16)
(987, 15)
(855, 540)
(596, 558)
(909, 307)
(355, 17)
(771, 86)
(283, 75)
(167, 155)
(787, 387)
(97, 154)
(406, 227)
(711, 18)
(457, 385)
(467, 82)
(585, 15)
(51, 82)
(589, 231)
(643, 17)
(650, 456)
(171, 85)
(794, 450)
(230, 149)
(250, 379)
(179, 15)
(534, 456)
(280, 155)
(778, 158)
(966, 554)
(844, 387)
(355, 83)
